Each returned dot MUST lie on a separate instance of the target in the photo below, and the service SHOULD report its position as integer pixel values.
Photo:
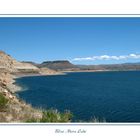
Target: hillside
(9, 64)
(11, 108)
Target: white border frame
(68, 16)
(43, 131)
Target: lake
(113, 96)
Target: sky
(79, 40)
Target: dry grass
(16, 111)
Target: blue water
(113, 96)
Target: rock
(11, 97)
(5, 91)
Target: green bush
(55, 116)
(3, 102)
(52, 116)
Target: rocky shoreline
(15, 110)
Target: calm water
(114, 96)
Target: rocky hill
(6, 62)
(61, 65)
(9, 64)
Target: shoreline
(98, 71)
(30, 75)
(13, 87)
(17, 110)
(65, 73)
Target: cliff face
(59, 65)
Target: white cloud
(108, 57)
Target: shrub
(55, 116)
(3, 102)
(52, 116)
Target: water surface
(114, 96)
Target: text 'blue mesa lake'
(113, 96)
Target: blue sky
(80, 40)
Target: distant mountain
(60, 65)
(111, 67)
(137, 63)
(64, 65)
(9, 64)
